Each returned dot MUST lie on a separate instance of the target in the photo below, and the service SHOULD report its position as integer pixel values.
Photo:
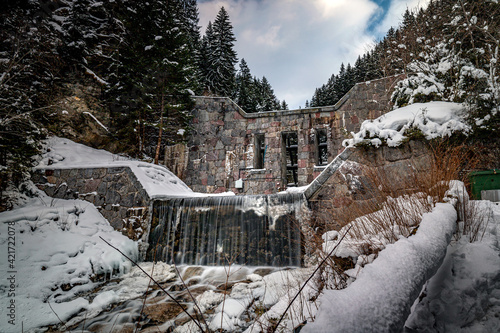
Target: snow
(157, 180)
(434, 119)
(381, 297)
(58, 251)
(96, 120)
(464, 295)
(95, 76)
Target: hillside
(449, 51)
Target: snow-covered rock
(434, 119)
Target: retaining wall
(116, 193)
(350, 182)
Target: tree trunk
(162, 109)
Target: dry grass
(393, 207)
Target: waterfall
(260, 230)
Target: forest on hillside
(145, 60)
(449, 51)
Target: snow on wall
(381, 298)
(155, 179)
(434, 119)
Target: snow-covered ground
(52, 252)
(54, 262)
(464, 294)
(434, 119)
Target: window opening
(291, 153)
(321, 147)
(260, 151)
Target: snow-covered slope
(54, 252)
(380, 298)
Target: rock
(160, 313)
(192, 271)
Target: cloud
(394, 14)
(298, 44)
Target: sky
(298, 44)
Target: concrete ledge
(331, 168)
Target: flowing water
(246, 230)
(234, 233)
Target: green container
(484, 180)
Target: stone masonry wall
(348, 185)
(116, 193)
(221, 147)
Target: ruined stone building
(267, 152)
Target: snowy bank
(464, 295)
(381, 297)
(57, 254)
(156, 180)
(434, 119)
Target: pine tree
(206, 50)
(154, 77)
(245, 96)
(190, 21)
(221, 57)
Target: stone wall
(222, 144)
(116, 193)
(350, 184)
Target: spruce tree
(190, 22)
(154, 76)
(221, 57)
(267, 101)
(245, 96)
(204, 62)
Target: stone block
(51, 179)
(115, 170)
(102, 187)
(64, 173)
(49, 190)
(393, 154)
(304, 155)
(60, 191)
(112, 197)
(98, 173)
(203, 116)
(39, 178)
(99, 200)
(80, 184)
(91, 185)
(88, 173)
(219, 145)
